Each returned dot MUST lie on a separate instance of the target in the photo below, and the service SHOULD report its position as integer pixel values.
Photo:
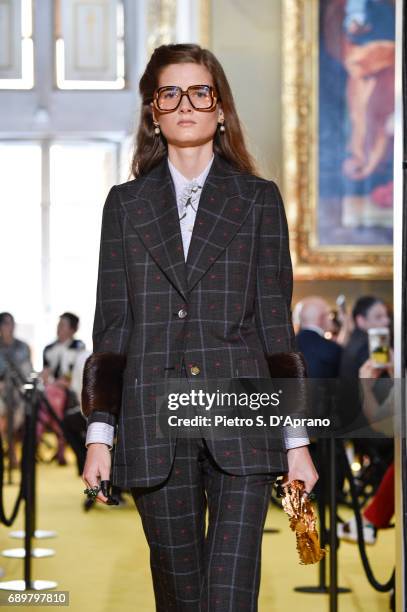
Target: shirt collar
(180, 180)
(314, 328)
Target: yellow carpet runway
(102, 557)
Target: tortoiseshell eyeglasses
(202, 97)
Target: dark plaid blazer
(236, 288)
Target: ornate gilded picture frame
(338, 105)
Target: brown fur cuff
(287, 365)
(102, 383)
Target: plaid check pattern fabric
(219, 313)
(193, 571)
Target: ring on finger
(309, 494)
(92, 491)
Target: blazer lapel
(152, 211)
(223, 206)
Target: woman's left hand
(301, 467)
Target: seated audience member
(368, 312)
(59, 357)
(11, 348)
(15, 366)
(321, 355)
(59, 360)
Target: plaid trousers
(199, 570)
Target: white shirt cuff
(101, 433)
(296, 442)
(293, 440)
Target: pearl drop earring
(157, 130)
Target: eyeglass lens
(200, 96)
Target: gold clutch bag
(303, 522)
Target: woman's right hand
(97, 467)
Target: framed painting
(338, 100)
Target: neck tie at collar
(190, 195)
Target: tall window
(53, 194)
(20, 244)
(81, 175)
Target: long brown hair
(149, 149)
